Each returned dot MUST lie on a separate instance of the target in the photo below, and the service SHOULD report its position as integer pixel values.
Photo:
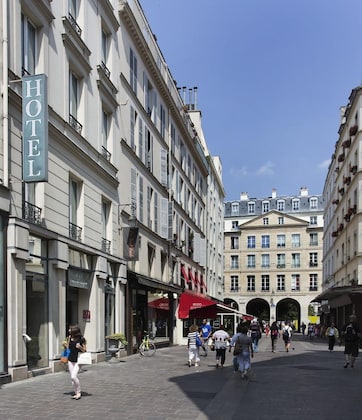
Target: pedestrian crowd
(245, 342)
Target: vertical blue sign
(35, 128)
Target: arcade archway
(259, 308)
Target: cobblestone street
(308, 381)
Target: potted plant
(116, 342)
(117, 338)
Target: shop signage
(35, 128)
(79, 278)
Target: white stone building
(103, 201)
(273, 255)
(342, 263)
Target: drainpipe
(5, 94)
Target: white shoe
(196, 364)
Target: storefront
(151, 307)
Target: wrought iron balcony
(31, 213)
(106, 245)
(75, 232)
(75, 124)
(106, 154)
(105, 69)
(74, 24)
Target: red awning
(193, 278)
(161, 303)
(186, 277)
(195, 302)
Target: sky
(271, 78)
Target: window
(280, 282)
(105, 51)
(265, 285)
(251, 208)
(163, 122)
(313, 220)
(280, 205)
(313, 259)
(28, 46)
(235, 209)
(280, 260)
(295, 204)
(234, 242)
(281, 241)
(265, 220)
(234, 263)
(265, 241)
(105, 133)
(313, 239)
(74, 99)
(133, 71)
(251, 261)
(295, 260)
(265, 206)
(251, 284)
(265, 260)
(313, 282)
(295, 240)
(106, 244)
(234, 284)
(251, 242)
(295, 284)
(234, 224)
(280, 220)
(313, 205)
(75, 231)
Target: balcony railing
(106, 245)
(105, 69)
(75, 124)
(106, 154)
(31, 213)
(74, 24)
(234, 289)
(75, 232)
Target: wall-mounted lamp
(132, 219)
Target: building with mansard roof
(273, 255)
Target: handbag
(84, 358)
(238, 347)
(64, 356)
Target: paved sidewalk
(308, 381)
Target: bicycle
(147, 347)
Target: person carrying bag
(77, 344)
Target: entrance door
(37, 321)
(109, 316)
(72, 308)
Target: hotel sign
(35, 128)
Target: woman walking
(76, 344)
(274, 334)
(243, 349)
(193, 345)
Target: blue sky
(271, 77)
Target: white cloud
(324, 164)
(266, 169)
(238, 172)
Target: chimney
(244, 196)
(304, 192)
(274, 193)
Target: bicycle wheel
(149, 350)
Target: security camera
(26, 338)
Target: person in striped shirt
(193, 348)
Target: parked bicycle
(147, 347)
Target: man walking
(205, 334)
